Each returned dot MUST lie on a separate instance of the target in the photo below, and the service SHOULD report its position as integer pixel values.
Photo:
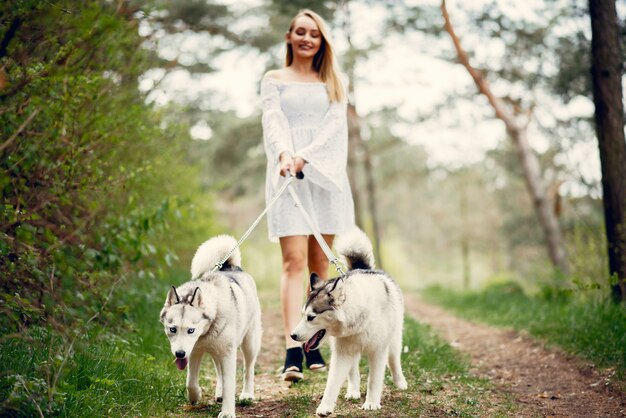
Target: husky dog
(215, 313)
(362, 312)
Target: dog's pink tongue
(181, 363)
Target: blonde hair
(324, 61)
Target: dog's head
(322, 312)
(185, 318)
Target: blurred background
(130, 132)
(436, 179)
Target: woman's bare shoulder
(275, 75)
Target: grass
(126, 370)
(593, 328)
(440, 384)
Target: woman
(305, 129)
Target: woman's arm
(327, 154)
(276, 133)
(334, 127)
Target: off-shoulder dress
(299, 118)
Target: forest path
(541, 381)
(545, 382)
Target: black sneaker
(292, 372)
(314, 361)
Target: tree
(606, 72)
(511, 114)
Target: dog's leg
(194, 393)
(250, 348)
(354, 380)
(218, 381)
(395, 350)
(377, 360)
(339, 367)
(228, 364)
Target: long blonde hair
(324, 61)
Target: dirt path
(268, 386)
(545, 382)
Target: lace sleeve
(276, 133)
(328, 153)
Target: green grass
(593, 328)
(126, 369)
(440, 384)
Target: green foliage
(109, 376)
(96, 187)
(592, 327)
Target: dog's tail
(211, 252)
(355, 249)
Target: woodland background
(111, 178)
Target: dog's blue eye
(190, 330)
(310, 318)
(173, 330)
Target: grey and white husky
(363, 313)
(215, 313)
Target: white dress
(299, 119)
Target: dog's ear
(337, 293)
(315, 281)
(172, 297)
(196, 299)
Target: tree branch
(480, 81)
(9, 34)
(19, 130)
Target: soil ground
(542, 381)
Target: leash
(318, 236)
(220, 264)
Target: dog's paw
(194, 394)
(324, 410)
(370, 406)
(225, 414)
(245, 396)
(401, 384)
(353, 394)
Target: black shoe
(314, 361)
(292, 372)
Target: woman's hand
(298, 164)
(290, 164)
(286, 164)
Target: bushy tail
(211, 252)
(355, 249)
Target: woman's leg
(294, 250)
(318, 262)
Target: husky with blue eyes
(362, 312)
(215, 313)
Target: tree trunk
(606, 72)
(353, 163)
(465, 240)
(358, 148)
(528, 160)
(371, 198)
(543, 206)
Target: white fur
(355, 241)
(216, 315)
(211, 252)
(363, 315)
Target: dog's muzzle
(181, 361)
